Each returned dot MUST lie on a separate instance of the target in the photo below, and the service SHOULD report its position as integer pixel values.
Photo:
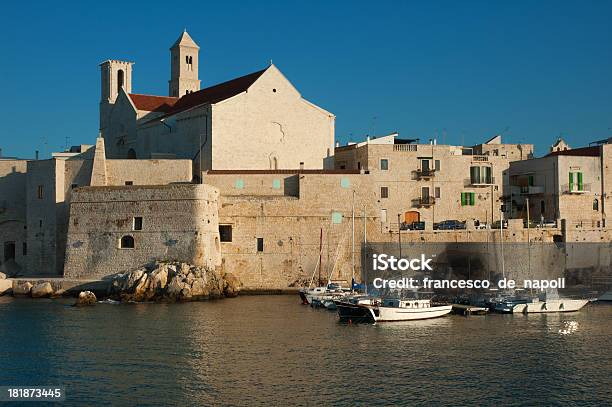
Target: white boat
(550, 304)
(392, 310)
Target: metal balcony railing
(425, 201)
(480, 182)
(531, 190)
(425, 173)
(575, 188)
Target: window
(359, 165)
(384, 192)
(189, 62)
(260, 246)
(120, 79)
(437, 192)
(595, 205)
(425, 193)
(383, 215)
(575, 181)
(40, 223)
(437, 165)
(384, 164)
(24, 249)
(225, 233)
(542, 208)
(424, 165)
(530, 180)
(127, 242)
(239, 184)
(40, 192)
(129, 182)
(345, 182)
(131, 154)
(468, 198)
(73, 186)
(276, 184)
(137, 223)
(481, 175)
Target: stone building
(569, 184)
(13, 215)
(257, 121)
(41, 190)
(431, 182)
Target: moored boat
(391, 310)
(552, 305)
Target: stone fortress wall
(173, 222)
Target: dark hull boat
(349, 312)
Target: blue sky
(463, 71)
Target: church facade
(257, 121)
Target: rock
(132, 279)
(141, 288)
(86, 298)
(59, 293)
(231, 287)
(174, 288)
(159, 279)
(2, 276)
(22, 288)
(6, 286)
(42, 290)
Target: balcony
(576, 188)
(532, 190)
(424, 201)
(425, 173)
(480, 182)
(404, 147)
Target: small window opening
(225, 233)
(138, 223)
(40, 192)
(127, 242)
(384, 192)
(260, 244)
(120, 80)
(129, 182)
(24, 249)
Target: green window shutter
(579, 181)
(463, 199)
(530, 180)
(571, 181)
(472, 198)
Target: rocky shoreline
(157, 282)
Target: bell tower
(115, 75)
(184, 66)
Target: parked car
(449, 225)
(412, 226)
(417, 226)
(495, 225)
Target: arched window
(120, 80)
(595, 204)
(127, 242)
(131, 154)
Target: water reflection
(271, 350)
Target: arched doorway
(131, 153)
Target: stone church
(258, 121)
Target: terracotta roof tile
(151, 103)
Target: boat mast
(501, 235)
(320, 254)
(353, 260)
(365, 254)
